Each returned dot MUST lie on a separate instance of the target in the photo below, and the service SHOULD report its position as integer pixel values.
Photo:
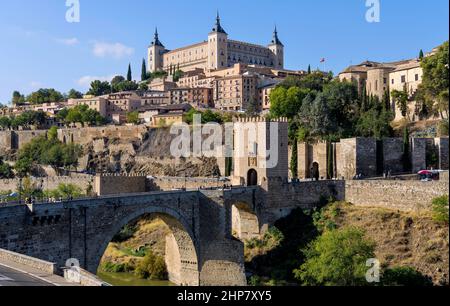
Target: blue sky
(40, 49)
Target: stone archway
(252, 177)
(181, 248)
(315, 171)
(244, 222)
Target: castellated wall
(397, 195)
(171, 183)
(111, 184)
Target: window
(384, 81)
(417, 77)
(403, 78)
(393, 81)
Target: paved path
(15, 274)
(14, 278)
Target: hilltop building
(217, 52)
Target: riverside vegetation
(411, 247)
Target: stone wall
(86, 135)
(398, 195)
(5, 141)
(418, 154)
(41, 265)
(393, 155)
(308, 154)
(171, 183)
(49, 183)
(442, 144)
(356, 156)
(119, 184)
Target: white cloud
(69, 41)
(86, 81)
(115, 50)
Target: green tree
(152, 267)
(133, 117)
(5, 170)
(177, 75)
(143, 86)
(129, 75)
(309, 69)
(52, 133)
(406, 150)
(144, 71)
(337, 258)
(74, 94)
(294, 160)
(45, 95)
(435, 80)
(99, 88)
(401, 99)
(17, 98)
(5, 122)
(405, 276)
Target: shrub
(405, 276)
(152, 267)
(254, 281)
(125, 233)
(441, 209)
(337, 258)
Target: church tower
(277, 48)
(217, 47)
(156, 54)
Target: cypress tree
(421, 55)
(406, 160)
(309, 69)
(129, 75)
(294, 160)
(144, 71)
(330, 160)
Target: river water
(128, 279)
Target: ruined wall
(49, 183)
(86, 135)
(5, 141)
(308, 154)
(111, 184)
(398, 195)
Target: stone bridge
(207, 227)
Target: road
(10, 277)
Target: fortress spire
(275, 39)
(218, 27)
(156, 41)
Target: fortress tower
(277, 49)
(260, 151)
(156, 52)
(217, 46)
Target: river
(128, 279)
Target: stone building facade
(217, 52)
(369, 157)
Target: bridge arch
(181, 245)
(244, 222)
